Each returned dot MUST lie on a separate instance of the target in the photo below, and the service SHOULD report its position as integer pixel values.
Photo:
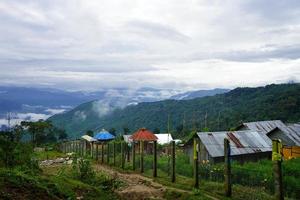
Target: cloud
(92, 45)
(18, 117)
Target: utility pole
(219, 120)
(205, 120)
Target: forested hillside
(219, 112)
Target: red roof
(143, 135)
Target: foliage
(13, 153)
(15, 184)
(83, 170)
(224, 111)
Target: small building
(89, 141)
(127, 138)
(146, 136)
(245, 146)
(104, 136)
(164, 138)
(276, 129)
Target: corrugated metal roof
(241, 142)
(264, 126)
(143, 135)
(88, 138)
(127, 138)
(293, 132)
(164, 138)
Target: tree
(156, 131)
(112, 131)
(38, 130)
(90, 133)
(125, 131)
(62, 135)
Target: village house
(244, 145)
(276, 129)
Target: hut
(104, 136)
(276, 129)
(164, 138)
(245, 146)
(145, 136)
(88, 142)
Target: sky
(186, 45)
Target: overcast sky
(90, 45)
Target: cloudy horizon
(92, 45)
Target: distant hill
(199, 93)
(33, 103)
(223, 111)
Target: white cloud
(18, 117)
(193, 44)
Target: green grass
(45, 155)
(15, 184)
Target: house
(245, 146)
(127, 139)
(276, 129)
(146, 137)
(88, 142)
(164, 138)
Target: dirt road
(138, 187)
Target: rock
(69, 162)
(59, 160)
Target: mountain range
(218, 112)
(26, 103)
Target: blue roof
(104, 135)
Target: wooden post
(97, 148)
(173, 179)
(122, 155)
(133, 155)
(142, 156)
(128, 152)
(92, 149)
(227, 169)
(277, 168)
(102, 152)
(107, 153)
(196, 165)
(155, 159)
(114, 153)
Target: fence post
(102, 152)
(133, 155)
(97, 149)
(196, 165)
(227, 169)
(173, 161)
(114, 153)
(142, 156)
(107, 154)
(122, 155)
(92, 149)
(128, 152)
(155, 159)
(277, 168)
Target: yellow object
(276, 150)
(195, 149)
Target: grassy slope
(247, 104)
(15, 184)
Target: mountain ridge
(223, 111)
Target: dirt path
(138, 187)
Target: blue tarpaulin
(104, 135)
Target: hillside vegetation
(223, 111)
